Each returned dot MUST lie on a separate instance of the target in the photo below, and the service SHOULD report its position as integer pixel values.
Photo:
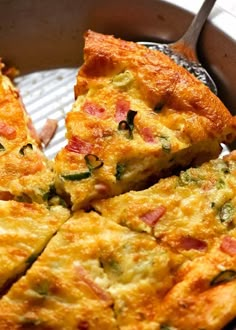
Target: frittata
(136, 117)
(25, 173)
(162, 258)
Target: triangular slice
(94, 274)
(24, 171)
(25, 229)
(137, 116)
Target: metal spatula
(183, 51)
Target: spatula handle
(190, 37)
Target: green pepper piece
(2, 148)
(165, 144)
(128, 124)
(93, 162)
(120, 169)
(42, 288)
(130, 118)
(27, 146)
(223, 277)
(76, 176)
(49, 194)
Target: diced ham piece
(147, 134)
(93, 109)
(7, 131)
(122, 107)
(79, 146)
(228, 246)
(189, 243)
(6, 196)
(48, 131)
(152, 217)
(82, 275)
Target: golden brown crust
(161, 80)
(177, 120)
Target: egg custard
(162, 258)
(136, 117)
(25, 174)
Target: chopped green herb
(93, 162)
(2, 148)
(111, 266)
(27, 146)
(124, 126)
(130, 118)
(76, 176)
(114, 266)
(120, 169)
(223, 277)
(226, 212)
(220, 184)
(128, 124)
(158, 107)
(49, 194)
(42, 288)
(186, 178)
(213, 204)
(165, 144)
(123, 79)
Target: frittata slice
(136, 117)
(24, 171)
(25, 230)
(95, 275)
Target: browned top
(159, 78)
